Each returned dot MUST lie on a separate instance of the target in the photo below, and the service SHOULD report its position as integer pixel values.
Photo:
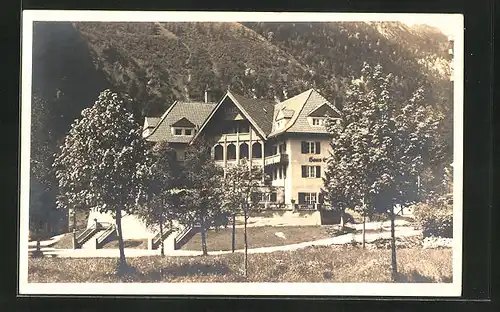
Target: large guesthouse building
(288, 139)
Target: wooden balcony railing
(315, 206)
(276, 159)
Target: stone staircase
(91, 242)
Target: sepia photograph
(210, 153)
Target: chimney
(212, 95)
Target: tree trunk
(393, 246)
(74, 219)
(203, 237)
(74, 239)
(123, 264)
(233, 242)
(246, 245)
(364, 230)
(162, 247)
(342, 220)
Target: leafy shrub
(436, 219)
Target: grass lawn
(313, 264)
(66, 242)
(128, 243)
(378, 217)
(262, 236)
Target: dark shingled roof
(195, 112)
(261, 111)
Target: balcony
(308, 207)
(276, 159)
(233, 137)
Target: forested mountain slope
(158, 63)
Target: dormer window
(183, 131)
(318, 121)
(183, 127)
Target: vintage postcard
(210, 153)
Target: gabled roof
(284, 113)
(294, 104)
(258, 112)
(196, 111)
(183, 122)
(301, 123)
(328, 104)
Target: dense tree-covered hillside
(158, 63)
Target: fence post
(74, 238)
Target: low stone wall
(281, 218)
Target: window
(218, 152)
(307, 198)
(187, 131)
(310, 147)
(244, 150)
(256, 150)
(273, 198)
(231, 152)
(318, 121)
(178, 131)
(311, 171)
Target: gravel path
(129, 252)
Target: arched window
(218, 152)
(243, 150)
(256, 150)
(231, 152)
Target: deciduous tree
(380, 146)
(162, 189)
(103, 162)
(202, 201)
(241, 182)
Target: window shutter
(302, 198)
(304, 147)
(318, 171)
(304, 171)
(320, 198)
(318, 148)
